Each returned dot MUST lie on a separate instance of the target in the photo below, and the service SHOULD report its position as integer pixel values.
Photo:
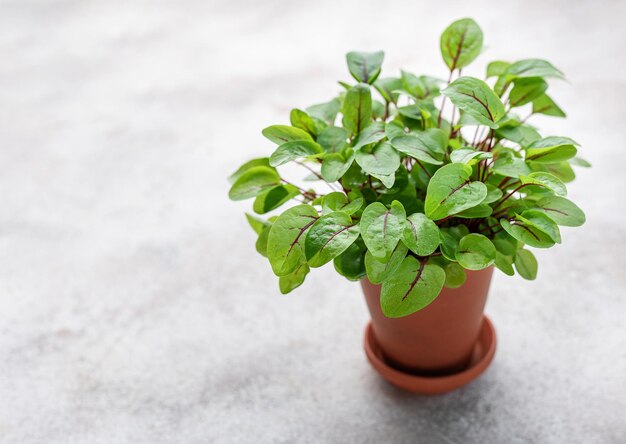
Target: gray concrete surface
(133, 307)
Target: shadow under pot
(440, 348)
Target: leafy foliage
(417, 196)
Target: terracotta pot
(438, 340)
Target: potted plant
(431, 184)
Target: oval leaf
(382, 227)
(460, 43)
(476, 252)
(378, 271)
(263, 161)
(420, 234)
(382, 159)
(273, 198)
(365, 66)
(333, 139)
(450, 191)
(285, 246)
(280, 134)
(357, 108)
(474, 97)
(533, 68)
(254, 181)
(465, 155)
(294, 150)
(293, 280)
(335, 165)
(542, 222)
(412, 287)
(330, 236)
(528, 234)
(526, 264)
(551, 150)
(546, 180)
(561, 211)
(371, 134)
(351, 263)
(525, 90)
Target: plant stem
(424, 169)
(304, 192)
(319, 176)
(443, 101)
(501, 201)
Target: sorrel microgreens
(417, 197)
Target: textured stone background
(133, 307)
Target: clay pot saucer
(482, 354)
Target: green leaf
(455, 275)
(412, 287)
(493, 194)
(497, 68)
(274, 198)
(421, 87)
(466, 155)
(294, 150)
(293, 280)
(526, 264)
(388, 88)
(450, 238)
(302, 120)
(511, 167)
(286, 238)
(428, 146)
(461, 43)
(394, 129)
(280, 134)
(533, 68)
(546, 180)
(476, 252)
(253, 182)
(264, 161)
(371, 134)
(257, 224)
(365, 66)
(527, 233)
(561, 211)
(330, 236)
(380, 160)
(522, 134)
(325, 111)
(551, 150)
(357, 109)
(378, 271)
(381, 228)
(545, 105)
(333, 139)
(420, 234)
(477, 212)
(526, 89)
(450, 191)
(354, 178)
(338, 201)
(541, 221)
(335, 165)
(505, 244)
(579, 161)
(474, 97)
(504, 264)
(414, 147)
(351, 263)
(261, 242)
